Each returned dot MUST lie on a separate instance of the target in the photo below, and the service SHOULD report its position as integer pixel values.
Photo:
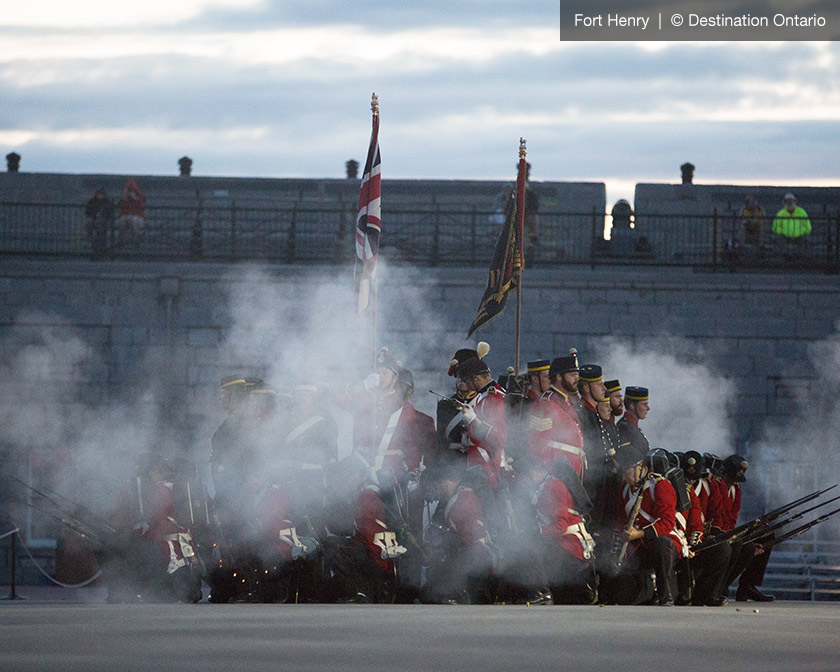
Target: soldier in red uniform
(707, 567)
(152, 555)
(568, 550)
(462, 571)
(486, 419)
(452, 437)
(749, 560)
(361, 561)
(651, 534)
(521, 397)
(554, 429)
(375, 405)
(277, 547)
(411, 448)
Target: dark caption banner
(699, 20)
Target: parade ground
(56, 630)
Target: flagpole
(374, 108)
(520, 223)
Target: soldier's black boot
(745, 593)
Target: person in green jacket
(791, 221)
(792, 226)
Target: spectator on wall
(132, 215)
(752, 223)
(792, 228)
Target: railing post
(290, 247)
(715, 227)
(339, 245)
(233, 231)
(434, 258)
(13, 587)
(197, 237)
(837, 240)
(473, 233)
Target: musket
(99, 520)
(799, 530)
(73, 525)
(763, 530)
(748, 527)
(778, 526)
(637, 505)
(463, 404)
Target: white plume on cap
(482, 349)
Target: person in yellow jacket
(791, 221)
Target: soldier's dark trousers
(710, 568)
(747, 564)
(657, 555)
(571, 580)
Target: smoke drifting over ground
(690, 402)
(800, 449)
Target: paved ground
(58, 630)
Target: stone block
(751, 405)
(757, 346)
(818, 301)
(814, 329)
(203, 337)
(169, 286)
(739, 327)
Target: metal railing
(424, 236)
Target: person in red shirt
(132, 217)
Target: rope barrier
(55, 581)
(9, 533)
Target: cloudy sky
(282, 89)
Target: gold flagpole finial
(374, 103)
(522, 151)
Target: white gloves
(469, 413)
(371, 382)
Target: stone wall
(754, 329)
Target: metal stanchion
(13, 589)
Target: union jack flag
(368, 223)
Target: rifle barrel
(799, 530)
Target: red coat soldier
(648, 508)
(486, 419)
(554, 428)
(708, 567)
(749, 559)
